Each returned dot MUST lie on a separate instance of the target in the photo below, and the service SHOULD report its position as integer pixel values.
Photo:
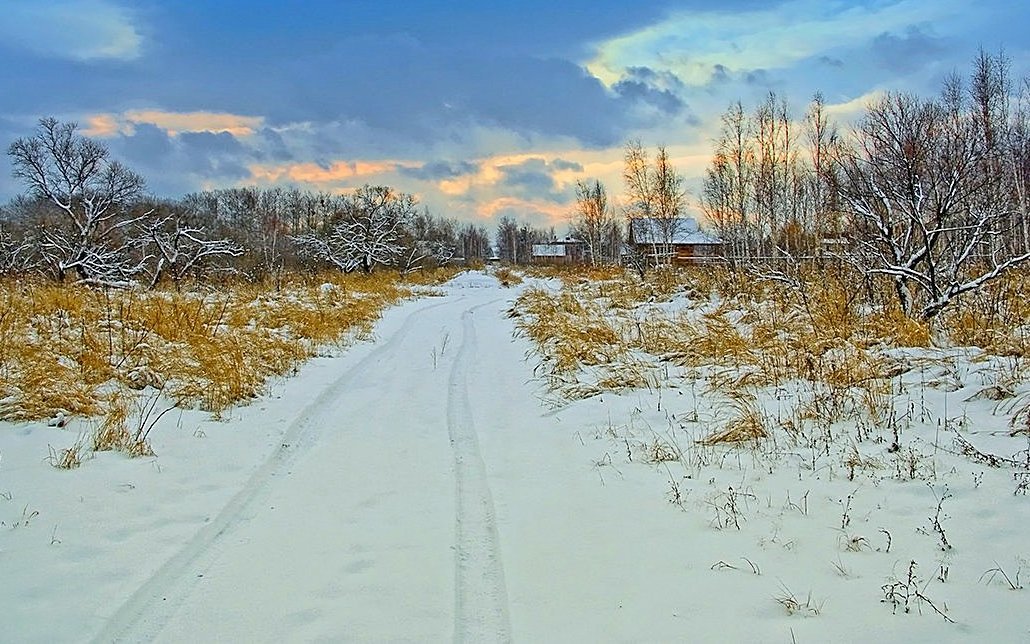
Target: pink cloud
(173, 123)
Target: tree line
(931, 193)
(86, 217)
(928, 192)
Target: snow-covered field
(424, 487)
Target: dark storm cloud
(403, 87)
(395, 85)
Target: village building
(567, 250)
(679, 240)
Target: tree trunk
(904, 295)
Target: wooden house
(567, 250)
(677, 241)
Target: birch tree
(656, 197)
(593, 221)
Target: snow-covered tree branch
(15, 254)
(180, 249)
(928, 209)
(371, 234)
(92, 193)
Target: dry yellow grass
(507, 277)
(66, 347)
(746, 424)
(751, 333)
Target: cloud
(531, 211)
(80, 30)
(404, 87)
(174, 123)
(438, 170)
(270, 145)
(332, 174)
(850, 110)
(909, 50)
(524, 175)
(657, 90)
(178, 122)
(719, 74)
(758, 77)
(105, 125)
(530, 179)
(562, 164)
(145, 144)
(174, 165)
(701, 46)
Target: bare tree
(593, 221)
(179, 248)
(669, 195)
(92, 193)
(428, 241)
(15, 253)
(370, 235)
(727, 193)
(656, 199)
(822, 136)
(474, 242)
(927, 210)
(508, 240)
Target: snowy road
(422, 494)
(353, 526)
(414, 489)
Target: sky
(480, 109)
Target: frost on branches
(179, 249)
(15, 254)
(91, 193)
(929, 211)
(372, 232)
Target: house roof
(548, 250)
(681, 230)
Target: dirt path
(353, 527)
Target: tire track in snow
(148, 609)
(481, 598)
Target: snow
(548, 250)
(683, 230)
(417, 488)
